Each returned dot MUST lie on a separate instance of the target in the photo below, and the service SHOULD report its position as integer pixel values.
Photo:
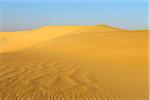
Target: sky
(18, 15)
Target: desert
(74, 63)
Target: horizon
(99, 25)
(18, 16)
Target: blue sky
(74, 0)
(127, 14)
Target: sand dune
(25, 38)
(74, 63)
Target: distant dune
(25, 39)
(74, 63)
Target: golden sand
(74, 63)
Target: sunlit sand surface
(74, 63)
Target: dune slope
(74, 63)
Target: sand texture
(74, 63)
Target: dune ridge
(74, 63)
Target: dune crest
(107, 27)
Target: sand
(74, 63)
